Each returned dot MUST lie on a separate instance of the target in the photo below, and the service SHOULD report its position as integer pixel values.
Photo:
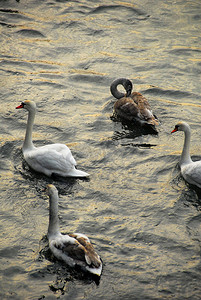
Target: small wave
(108, 8)
(184, 51)
(87, 78)
(7, 10)
(171, 93)
(7, 25)
(48, 83)
(30, 33)
(95, 32)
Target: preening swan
(73, 249)
(48, 159)
(131, 106)
(190, 170)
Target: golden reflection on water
(195, 59)
(35, 40)
(81, 71)
(177, 103)
(137, 195)
(125, 4)
(185, 47)
(112, 54)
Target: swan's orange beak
(174, 130)
(20, 106)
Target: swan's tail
(77, 173)
(95, 271)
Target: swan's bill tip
(174, 130)
(20, 106)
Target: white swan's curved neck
(185, 156)
(53, 228)
(28, 144)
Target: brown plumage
(90, 254)
(132, 106)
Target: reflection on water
(136, 208)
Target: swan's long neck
(53, 228)
(28, 144)
(185, 156)
(114, 90)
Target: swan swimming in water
(48, 159)
(132, 106)
(190, 170)
(73, 249)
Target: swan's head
(51, 190)
(127, 84)
(28, 105)
(181, 126)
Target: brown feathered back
(92, 258)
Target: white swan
(73, 249)
(131, 106)
(48, 159)
(190, 170)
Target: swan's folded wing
(140, 100)
(67, 247)
(126, 107)
(92, 258)
(130, 108)
(76, 251)
(52, 157)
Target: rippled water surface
(143, 218)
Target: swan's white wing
(54, 157)
(192, 173)
(64, 150)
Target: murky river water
(144, 219)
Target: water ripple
(142, 217)
(30, 33)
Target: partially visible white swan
(48, 159)
(131, 106)
(73, 249)
(190, 170)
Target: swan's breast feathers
(192, 173)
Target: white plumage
(48, 159)
(74, 249)
(190, 170)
